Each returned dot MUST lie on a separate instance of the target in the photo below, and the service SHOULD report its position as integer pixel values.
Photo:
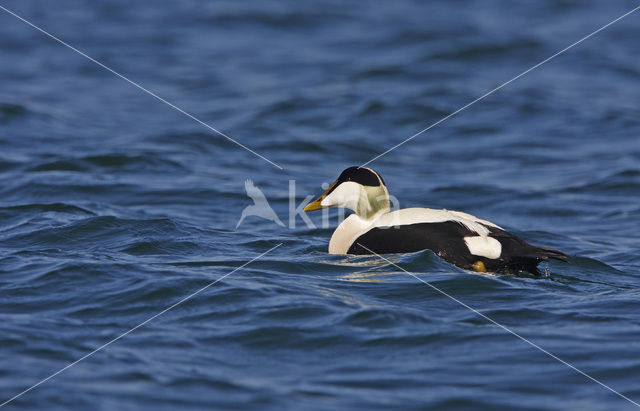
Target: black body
(446, 239)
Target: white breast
(347, 232)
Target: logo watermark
(262, 209)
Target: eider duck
(458, 238)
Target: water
(115, 206)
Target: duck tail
(545, 254)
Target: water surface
(113, 206)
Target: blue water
(114, 206)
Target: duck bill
(316, 204)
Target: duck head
(359, 189)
